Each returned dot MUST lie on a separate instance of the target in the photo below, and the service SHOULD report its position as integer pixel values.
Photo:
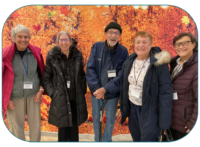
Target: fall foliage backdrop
(86, 24)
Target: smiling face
(112, 37)
(142, 47)
(184, 47)
(22, 40)
(64, 42)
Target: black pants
(176, 134)
(70, 133)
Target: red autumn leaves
(37, 27)
(64, 10)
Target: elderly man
(103, 74)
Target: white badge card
(68, 84)
(28, 85)
(135, 93)
(111, 73)
(175, 96)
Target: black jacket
(55, 85)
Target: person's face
(112, 37)
(142, 46)
(22, 40)
(184, 47)
(64, 42)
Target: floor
(52, 136)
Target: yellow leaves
(51, 13)
(185, 20)
(39, 7)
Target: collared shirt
(178, 68)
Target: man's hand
(99, 93)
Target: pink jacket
(8, 74)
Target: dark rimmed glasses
(184, 44)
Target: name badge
(28, 85)
(175, 96)
(68, 84)
(111, 73)
(136, 93)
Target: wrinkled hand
(38, 96)
(99, 93)
(11, 105)
(188, 130)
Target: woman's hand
(38, 96)
(188, 130)
(11, 105)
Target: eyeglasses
(111, 32)
(184, 44)
(65, 40)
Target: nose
(180, 45)
(140, 44)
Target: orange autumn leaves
(86, 24)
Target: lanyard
(140, 71)
(23, 62)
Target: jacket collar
(152, 52)
(55, 52)
(157, 57)
(191, 60)
(111, 50)
(10, 51)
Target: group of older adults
(152, 95)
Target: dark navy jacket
(96, 74)
(157, 97)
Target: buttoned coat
(55, 85)
(157, 94)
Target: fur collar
(157, 57)
(162, 58)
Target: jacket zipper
(76, 89)
(185, 114)
(150, 67)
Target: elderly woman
(22, 84)
(184, 80)
(65, 82)
(146, 91)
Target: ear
(13, 39)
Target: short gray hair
(60, 33)
(20, 28)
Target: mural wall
(86, 24)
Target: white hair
(19, 28)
